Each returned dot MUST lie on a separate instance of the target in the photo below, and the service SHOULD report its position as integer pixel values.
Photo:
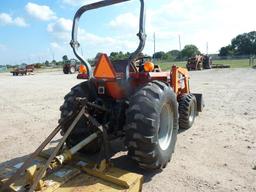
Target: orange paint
(180, 76)
(104, 69)
(105, 72)
(115, 90)
(149, 66)
(82, 69)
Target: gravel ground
(217, 154)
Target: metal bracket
(37, 173)
(56, 150)
(29, 161)
(101, 90)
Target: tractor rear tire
(152, 125)
(187, 111)
(80, 131)
(66, 70)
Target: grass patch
(168, 65)
(234, 63)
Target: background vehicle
(71, 66)
(199, 62)
(23, 70)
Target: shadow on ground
(121, 160)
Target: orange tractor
(139, 103)
(129, 102)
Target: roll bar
(75, 44)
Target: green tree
(47, 63)
(54, 62)
(189, 51)
(167, 57)
(227, 51)
(119, 56)
(243, 44)
(173, 54)
(38, 65)
(59, 63)
(159, 55)
(65, 58)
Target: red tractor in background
(131, 100)
(199, 62)
(71, 66)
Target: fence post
(252, 61)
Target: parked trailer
(220, 66)
(23, 70)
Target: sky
(36, 31)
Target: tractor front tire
(152, 125)
(72, 70)
(80, 131)
(187, 111)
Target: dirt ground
(217, 154)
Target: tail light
(149, 66)
(82, 69)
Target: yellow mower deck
(77, 176)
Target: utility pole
(53, 56)
(180, 48)
(207, 48)
(82, 51)
(179, 43)
(154, 37)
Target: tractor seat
(120, 66)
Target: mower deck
(77, 176)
